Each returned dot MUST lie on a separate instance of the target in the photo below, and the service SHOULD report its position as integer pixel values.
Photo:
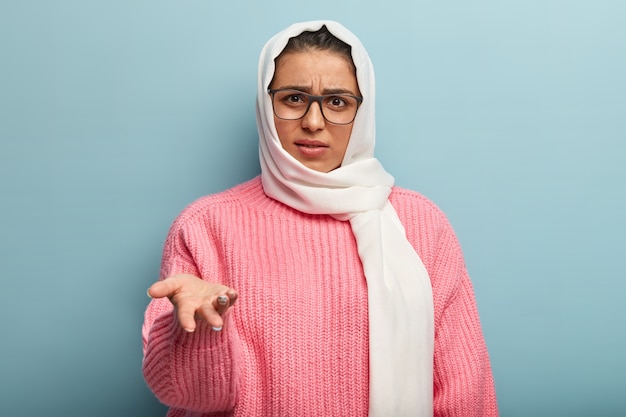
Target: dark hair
(321, 39)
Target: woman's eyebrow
(326, 91)
(338, 91)
(296, 87)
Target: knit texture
(296, 341)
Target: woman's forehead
(308, 71)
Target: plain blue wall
(511, 115)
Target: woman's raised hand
(194, 299)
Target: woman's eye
(336, 102)
(295, 99)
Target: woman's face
(312, 140)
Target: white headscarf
(400, 300)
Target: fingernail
(148, 292)
(217, 329)
(188, 330)
(222, 300)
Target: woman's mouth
(311, 148)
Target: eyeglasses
(339, 109)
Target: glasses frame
(318, 100)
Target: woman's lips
(311, 148)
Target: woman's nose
(314, 119)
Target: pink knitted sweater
(296, 341)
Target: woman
(352, 295)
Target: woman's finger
(186, 313)
(165, 288)
(208, 313)
(221, 304)
(232, 296)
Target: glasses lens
(294, 104)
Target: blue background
(510, 115)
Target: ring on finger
(222, 300)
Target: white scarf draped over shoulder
(400, 304)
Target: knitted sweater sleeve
(193, 371)
(463, 382)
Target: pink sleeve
(463, 382)
(194, 371)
